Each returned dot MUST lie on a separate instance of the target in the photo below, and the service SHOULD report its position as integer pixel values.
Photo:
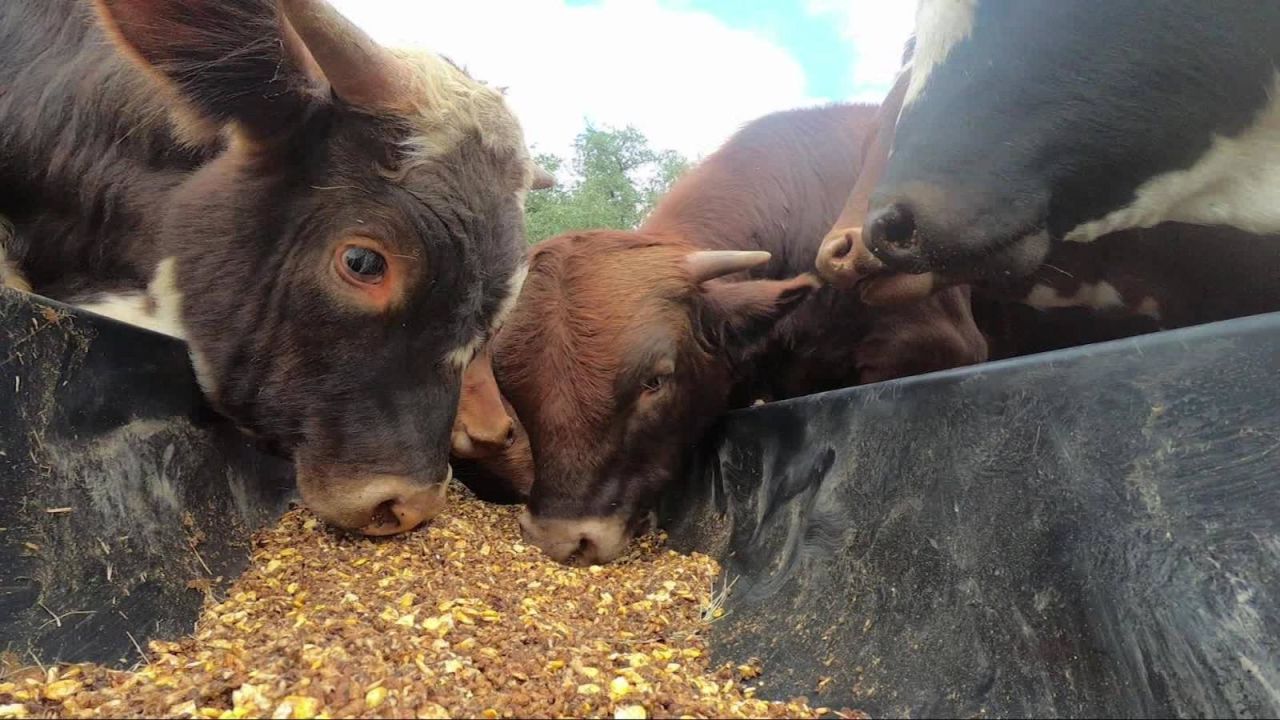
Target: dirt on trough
(459, 619)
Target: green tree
(616, 179)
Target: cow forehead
(581, 314)
(940, 26)
(448, 105)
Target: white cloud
(877, 30)
(682, 78)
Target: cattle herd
(335, 229)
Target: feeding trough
(126, 499)
(1092, 532)
(1080, 533)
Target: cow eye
(363, 265)
(656, 383)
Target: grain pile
(459, 619)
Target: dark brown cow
(332, 226)
(624, 346)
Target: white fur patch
(1098, 296)
(159, 309)
(133, 308)
(1149, 307)
(168, 308)
(462, 355)
(940, 26)
(1236, 183)
(447, 105)
(514, 286)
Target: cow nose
(891, 235)
(576, 541)
(497, 436)
(835, 258)
(843, 258)
(378, 505)
(405, 511)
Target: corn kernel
(375, 697)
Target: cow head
(1030, 121)
(621, 351)
(336, 265)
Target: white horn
(542, 179)
(709, 264)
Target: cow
(1029, 123)
(1175, 274)
(334, 227)
(625, 345)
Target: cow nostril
(842, 247)
(900, 226)
(384, 515)
(511, 436)
(586, 552)
(892, 230)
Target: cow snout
(843, 258)
(378, 505)
(891, 235)
(577, 541)
(472, 441)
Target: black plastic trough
(1081, 533)
(124, 498)
(1092, 532)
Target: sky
(686, 73)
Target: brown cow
(333, 226)
(624, 346)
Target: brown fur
(603, 311)
(483, 427)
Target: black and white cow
(1030, 122)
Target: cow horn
(361, 71)
(710, 264)
(542, 179)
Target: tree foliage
(616, 178)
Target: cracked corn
(456, 620)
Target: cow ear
(737, 317)
(227, 61)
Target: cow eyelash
(655, 383)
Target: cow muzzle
(844, 261)
(472, 442)
(377, 504)
(919, 228)
(582, 541)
